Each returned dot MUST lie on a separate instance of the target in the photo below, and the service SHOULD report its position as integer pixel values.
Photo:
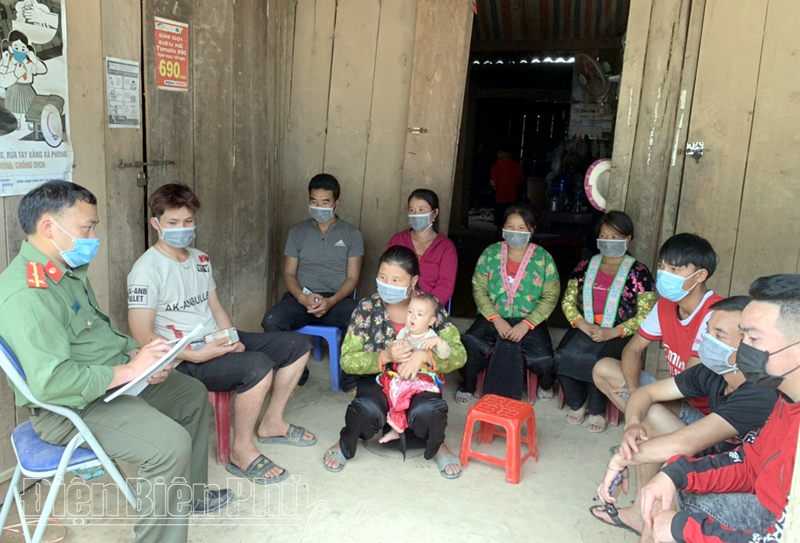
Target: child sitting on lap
(418, 332)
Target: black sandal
(611, 510)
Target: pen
(614, 484)
(176, 340)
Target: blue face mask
(391, 294)
(20, 56)
(179, 238)
(82, 252)
(321, 214)
(714, 355)
(670, 286)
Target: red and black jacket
(763, 467)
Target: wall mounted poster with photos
(34, 113)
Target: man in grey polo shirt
(321, 266)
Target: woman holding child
(606, 300)
(516, 288)
(371, 349)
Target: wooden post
(441, 53)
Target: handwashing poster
(34, 118)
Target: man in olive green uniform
(72, 354)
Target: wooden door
(215, 133)
(721, 118)
(743, 193)
(768, 240)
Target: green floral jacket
(371, 332)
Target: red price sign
(172, 55)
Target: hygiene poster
(122, 93)
(172, 55)
(34, 116)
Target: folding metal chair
(38, 459)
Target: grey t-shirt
(178, 291)
(322, 260)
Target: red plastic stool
(222, 414)
(532, 383)
(511, 415)
(612, 412)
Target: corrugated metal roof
(519, 20)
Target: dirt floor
(378, 497)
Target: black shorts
(242, 371)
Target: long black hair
(397, 255)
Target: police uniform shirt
(50, 318)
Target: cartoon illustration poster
(34, 118)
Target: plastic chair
(40, 460)
(222, 414)
(511, 415)
(612, 412)
(333, 336)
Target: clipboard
(137, 385)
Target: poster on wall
(172, 55)
(34, 116)
(122, 93)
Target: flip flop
(615, 517)
(294, 437)
(336, 454)
(256, 470)
(444, 461)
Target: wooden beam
(249, 183)
(655, 131)
(675, 177)
(124, 200)
(566, 45)
(628, 105)
(441, 53)
(212, 87)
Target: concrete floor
(378, 497)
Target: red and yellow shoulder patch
(53, 271)
(36, 278)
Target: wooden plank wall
(654, 136)
(218, 134)
(768, 240)
(351, 85)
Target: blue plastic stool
(333, 336)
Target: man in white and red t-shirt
(686, 262)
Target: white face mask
(612, 247)
(420, 223)
(321, 214)
(516, 239)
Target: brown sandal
(597, 421)
(577, 416)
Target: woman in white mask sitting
(516, 288)
(371, 344)
(607, 298)
(438, 261)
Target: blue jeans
(734, 510)
(688, 414)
